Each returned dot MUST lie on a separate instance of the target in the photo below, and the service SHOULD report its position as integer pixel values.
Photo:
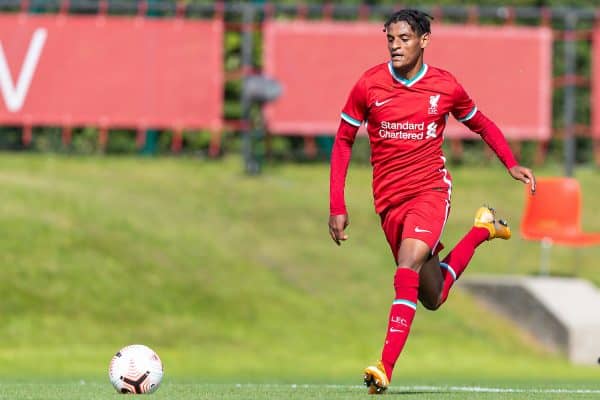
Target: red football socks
(457, 260)
(406, 283)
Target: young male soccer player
(405, 104)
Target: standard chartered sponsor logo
(407, 130)
(431, 130)
(403, 125)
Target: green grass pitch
(186, 390)
(236, 284)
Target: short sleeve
(464, 107)
(355, 110)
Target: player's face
(406, 47)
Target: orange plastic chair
(553, 216)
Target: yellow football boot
(376, 379)
(485, 217)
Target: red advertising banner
(506, 70)
(111, 71)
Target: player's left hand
(337, 225)
(524, 175)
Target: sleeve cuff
(511, 163)
(338, 211)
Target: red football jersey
(405, 120)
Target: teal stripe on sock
(406, 303)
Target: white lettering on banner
(14, 95)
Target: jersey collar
(408, 82)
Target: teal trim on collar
(408, 82)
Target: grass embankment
(234, 278)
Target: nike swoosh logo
(380, 103)
(419, 230)
(396, 330)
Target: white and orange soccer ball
(135, 369)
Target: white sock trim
(449, 268)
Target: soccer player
(405, 104)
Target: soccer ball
(135, 369)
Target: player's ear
(425, 39)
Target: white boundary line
(479, 389)
(472, 389)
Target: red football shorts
(421, 217)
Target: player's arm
(466, 112)
(494, 138)
(353, 114)
(340, 159)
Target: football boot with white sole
(375, 379)
(485, 217)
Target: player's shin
(459, 257)
(406, 284)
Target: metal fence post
(570, 100)
(251, 165)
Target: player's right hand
(337, 224)
(524, 175)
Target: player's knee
(409, 264)
(432, 306)
(429, 302)
(412, 255)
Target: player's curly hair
(418, 20)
